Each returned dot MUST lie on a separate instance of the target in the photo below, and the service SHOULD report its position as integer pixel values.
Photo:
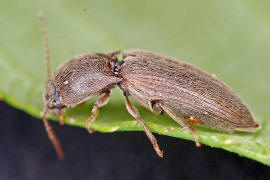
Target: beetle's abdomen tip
(252, 128)
(245, 121)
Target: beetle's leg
(62, 117)
(180, 122)
(131, 109)
(99, 103)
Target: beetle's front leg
(99, 103)
(131, 109)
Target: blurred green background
(230, 39)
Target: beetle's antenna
(46, 43)
(56, 143)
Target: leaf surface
(230, 39)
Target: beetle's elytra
(159, 83)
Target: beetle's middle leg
(99, 103)
(158, 105)
(131, 109)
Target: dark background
(26, 153)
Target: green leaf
(228, 38)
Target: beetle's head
(52, 98)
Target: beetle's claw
(90, 130)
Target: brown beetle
(159, 83)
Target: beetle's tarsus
(156, 147)
(131, 109)
(99, 103)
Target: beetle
(162, 84)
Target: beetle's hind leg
(180, 122)
(131, 109)
(99, 103)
